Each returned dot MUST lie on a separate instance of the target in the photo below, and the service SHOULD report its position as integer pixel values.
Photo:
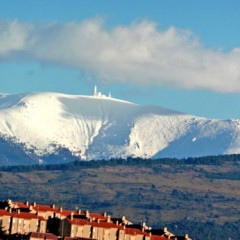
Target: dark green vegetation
(199, 196)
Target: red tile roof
(43, 208)
(25, 215)
(97, 216)
(78, 238)
(46, 208)
(155, 237)
(4, 213)
(63, 212)
(77, 221)
(21, 205)
(135, 231)
(43, 235)
(105, 225)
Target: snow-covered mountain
(53, 127)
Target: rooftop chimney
(87, 214)
(53, 206)
(27, 203)
(108, 218)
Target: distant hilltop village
(33, 221)
(99, 94)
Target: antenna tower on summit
(99, 94)
(95, 91)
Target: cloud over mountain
(140, 53)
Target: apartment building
(21, 222)
(5, 220)
(34, 220)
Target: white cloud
(13, 37)
(139, 53)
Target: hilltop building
(99, 94)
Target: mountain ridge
(102, 127)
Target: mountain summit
(54, 127)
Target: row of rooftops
(27, 210)
(18, 214)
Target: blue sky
(183, 55)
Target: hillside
(200, 196)
(46, 127)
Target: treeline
(232, 175)
(78, 165)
